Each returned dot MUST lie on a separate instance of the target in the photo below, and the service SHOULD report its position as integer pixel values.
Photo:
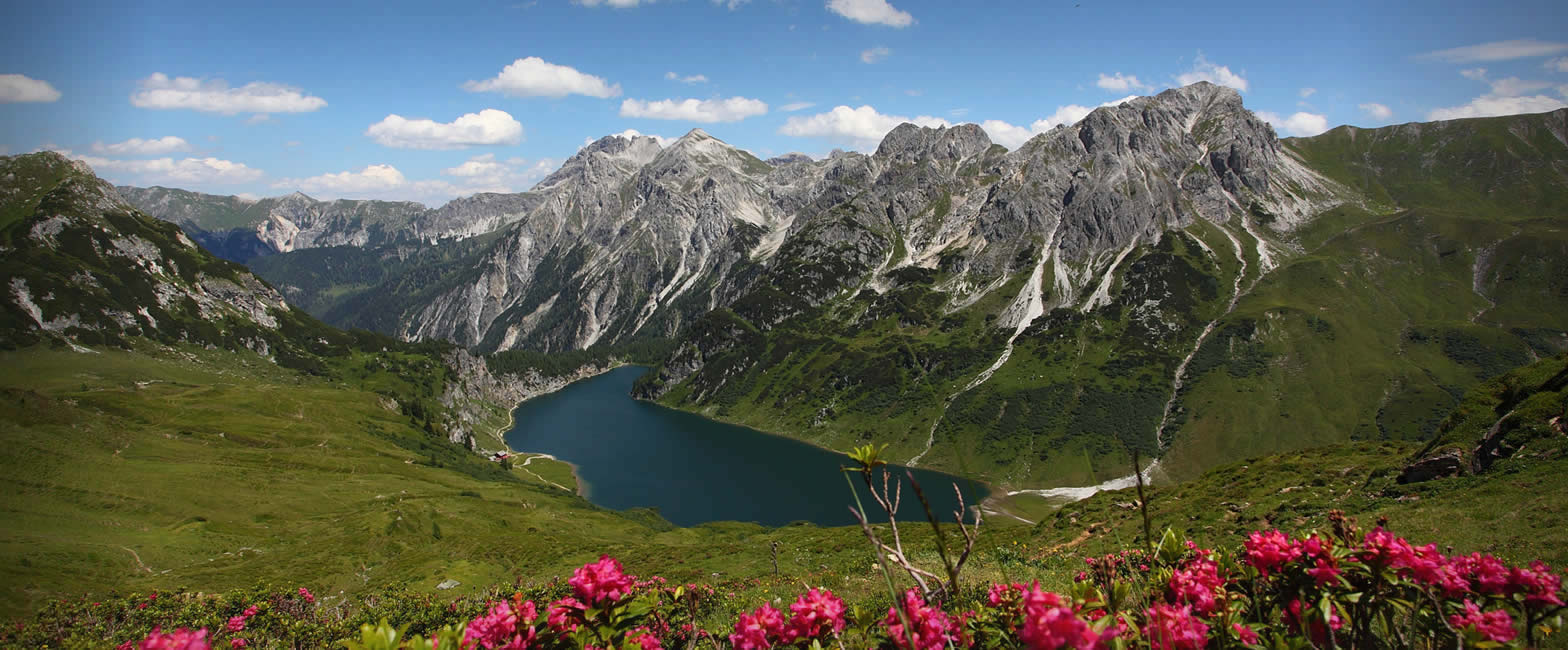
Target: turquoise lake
(693, 470)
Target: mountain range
(1166, 274)
(1369, 321)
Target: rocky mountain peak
(909, 143)
(789, 159)
(699, 151)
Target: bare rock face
(92, 269)
(1442, 465)
(1072, 202)
(632, 239)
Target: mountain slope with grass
(1430, 259)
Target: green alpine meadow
(1192, 368)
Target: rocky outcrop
(240, 229)
(631, 239)
(628, 239)
(1068, 204)
(85, 266)
(1443, 465)
(480, 401)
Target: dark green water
(694, 470)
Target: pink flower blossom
(181, 639)
(1050, 623)
(644, 638)
(1325, 573)
(1488, 574)
(598, 583)
(236, 624)
(759, 629)
(929, 626)
(238, 643)
(1245, 634)
(1196, 583)
(1002, 592)
(1381, 548)
(1173, 628)
(250, 611)
(305, 593)
(1494, 625)
(562, 614)
(501, 628)
(814, 613)
(1269, 551)
(1539, 585)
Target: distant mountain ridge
(1165, 274)
(240, 229)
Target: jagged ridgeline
(1166, 274)
(81, 267)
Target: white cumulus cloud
(690, 79)
(1297, 124)
(370, 179)
(159, 91)
(1012, 136)
(1377, 111)
(487, 127)
(1514, 86)
(487, 174)
(1494, 105)
(1308, 92)
(733, 109)
(139, 147)
(871, 12)
(1559, 64)
(1205, 70)
(1508, 96)
(862, 127)
(535, 77)
(16, 88)
(796, 106)
(1120, 82)
(185, 172)
(874, 54)
(382, 181)
(1497, 51)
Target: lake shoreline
(992, 504)
(511, 420)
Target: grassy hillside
(166, 467)
(163, 469)
(1457, 273)
(1447, 266)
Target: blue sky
(425, 102)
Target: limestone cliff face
(629, 238)
(632, 239)
(481, 400)
(1065, 207)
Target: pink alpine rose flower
(930, 626)
(816, 612)
(1269, 551)
(1173, 628)
(758, 630)
(597, 583)
(181, 639)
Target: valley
(677, 343)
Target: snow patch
(1065, 495)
